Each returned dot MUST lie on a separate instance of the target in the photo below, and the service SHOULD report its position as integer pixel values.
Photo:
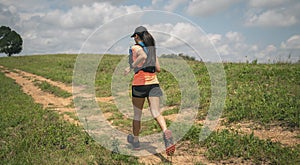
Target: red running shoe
(169, 143)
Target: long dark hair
(149, 42)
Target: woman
(145, 84)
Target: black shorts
(146, 91)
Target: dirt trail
(31, 76)
(275, 133)
(184, 154)
(25, 80)
(63, 105)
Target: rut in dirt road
(48, 100)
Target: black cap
(139, 30)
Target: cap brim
(132, 35)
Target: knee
(155, 114)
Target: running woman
(144, 63)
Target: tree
(10, 41)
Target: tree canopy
(10, 41)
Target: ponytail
(150, 45)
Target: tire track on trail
(47, 100)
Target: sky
(211, 30)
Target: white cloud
(234, 36)
(271, 48)
(271, 18)
(65, 30)
(180, 35)
(272, 13)
(224, 50)
(27, 6)
(215, 38)
(233, 47)
(46, 6)
(87, 16)
(265, 54)
(184, 37)
(208, 7)
(267, 3)
(292, 43)
(9, 16)
(173, 4)
(72, 3)
(62, 26)
(155, 2)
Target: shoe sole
(171, 150)
(136, 149)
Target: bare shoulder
(136, 48)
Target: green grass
(263, 93)
(31, 135)
(56, 67)
(171, 111)
(170, 87)
(104, 74)
(52, 89)
(225, 144)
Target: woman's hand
(127, 70)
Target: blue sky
(266, 30)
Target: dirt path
(25, 80)
(185, 154)
(274, 132)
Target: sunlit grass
(263, 93)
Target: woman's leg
(155, 111)
(167, 134)
(138, 104)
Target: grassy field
(31, 135)
(262, 93)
